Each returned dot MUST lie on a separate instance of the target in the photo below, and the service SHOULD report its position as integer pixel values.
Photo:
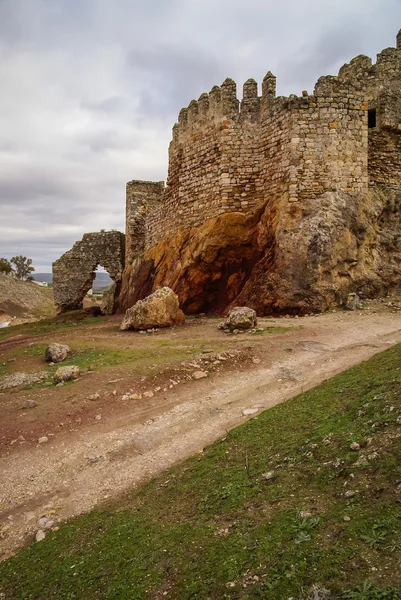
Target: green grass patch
(44, 326)
(218, 527)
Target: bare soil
(97, 449)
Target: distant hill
(101, 283)
(21, 300)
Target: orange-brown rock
(280, 259)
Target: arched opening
(101, 283)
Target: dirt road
(117, 444)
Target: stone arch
(74, 272)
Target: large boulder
(160, 309)
(57, 353)
(240, 318)
(66, 374)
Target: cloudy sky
(91, 88)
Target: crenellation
(230, 103)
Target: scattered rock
(148, 394)
(398, 421)
(269, 475)
(92, 311)
(250, 411)
(240, 318)
(349, 494)
(347, 519)
(352, 301)
(45, 523)
(305, 515)
(40, 535)
(160, 309)
(29, 404)
(56, 353)
(199, 374)
(43, 440)
(319, 593)
(95, 396)
(21, 379)
(355, 446)
(66, 374)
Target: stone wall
(74, 272)
(143, 197)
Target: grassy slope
(215, 528)
(19, 298)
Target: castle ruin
(285, 204)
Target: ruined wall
(74, 272)
(143, 197)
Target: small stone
(95, 396)
(355, 446)
(29, 404)
(347, 519)
(148, 394)
(269, 475)
(250, 411)
(199, 374)
(398, 421)
(43, 440)
(98, 417)
(349, 494)
(352, 301)
(306, 515)
(40, 535)
(256, 361)
(135, 397)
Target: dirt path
(82, 467)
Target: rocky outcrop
(240, 318)
(160, 309)
(57, 353)
(283, 258)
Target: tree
(22, 268)
(5, 266)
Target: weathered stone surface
(92, 311)
(20, 379)
(108, 300)
(56, 353)
(241, 318)
(74, 272)
(66, 374)
(160, 309)
(352, 301)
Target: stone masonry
(74, 272)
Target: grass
(53, 324)
(215, 527)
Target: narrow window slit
(372, 118)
